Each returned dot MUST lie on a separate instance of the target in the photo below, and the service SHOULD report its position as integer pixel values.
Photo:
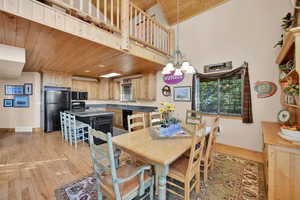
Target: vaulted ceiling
(188, 8)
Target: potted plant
(169, 126)
(292, 92)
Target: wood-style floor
(32, 166)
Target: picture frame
(28, 88)
(21, 101)
(14, 89)
(182, 94)
(8, 103)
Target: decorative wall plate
(265, 89)
(166, 91)
(283, 116)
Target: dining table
(158, 152)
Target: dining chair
(126, 182)
(62, 124)
(66, 126)
(155, 118)
(78, 131)
(207, 161)
(193, 117)
(136, 121)
(184, 173)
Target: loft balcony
(85, 37)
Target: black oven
(82, 96)
(78, 106)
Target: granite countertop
(123, 107)
(91, 113)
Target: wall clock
(284, 116)
(166, 91)
(265, 89)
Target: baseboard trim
(13, 130)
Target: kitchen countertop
(91, 113)
(123, 107)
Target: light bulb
(178, 72)
(170, 66)
(190, 70)
(185, 66)
(166, 71)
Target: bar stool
(78, 131)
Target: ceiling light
(110, 75)
(177, 60)
(178, 72)
(87, 71)
(101, 66)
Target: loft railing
(148, 31)
(124, 17)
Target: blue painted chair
(78, 131)
(126, 182)
(62, 124)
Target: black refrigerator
(55, 101)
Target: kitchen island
(97, 119)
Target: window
(220, 95)
(126, 92)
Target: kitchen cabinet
(282, 159)
(56, 79)
(92, 87)
(144, 88)
(118, 117)
(114, 91)
(109, 89)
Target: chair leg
(75, 137)
(205, 172)
(100, 195)
(187, 190)
(151, 190)
(198, 181)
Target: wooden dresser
(282, 164)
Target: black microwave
(79, 95)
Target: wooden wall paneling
(50, 16)
(57, 79)
(1, 4)
(11, 6)
(26, 8)
(38, 14)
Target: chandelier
(178, 63)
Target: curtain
(246, 101)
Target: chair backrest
(210, 146)
(196, 152)
(62, 121)
(155, 118)
(99, 155)
(193, 117)
(136, 121)
(72, 122)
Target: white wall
(239, 31)
(22, 117)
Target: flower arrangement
(166, 110)
(292, 90)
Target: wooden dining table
(158, 152)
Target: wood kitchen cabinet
(144, 88)
(282, 161)
(92, 87)
(118, 117)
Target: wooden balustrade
(148, 31)
(121, 16)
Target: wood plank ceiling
(48, 49)
(188, 8)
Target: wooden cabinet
(92, 87)
(118, 117)
(282, 161)
(109, 89)
(144, 88)
(114, 90)
(56, 79)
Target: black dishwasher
(126, 113)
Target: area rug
(232, 178)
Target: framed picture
(14, 89)
(28, 88)
(21, 101)
(8, 103)
(182, 93)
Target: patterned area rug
(231, 179)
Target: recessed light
(101, 66)
(110, 75)
(87, 71)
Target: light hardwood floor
(32, 166)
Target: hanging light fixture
(177, 62)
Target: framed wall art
(14, 89)
(182, 93)
(8, 103)
(28, 88)
(21, 101)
